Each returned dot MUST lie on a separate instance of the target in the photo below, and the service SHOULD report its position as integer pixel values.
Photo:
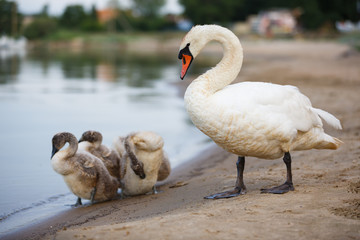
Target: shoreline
(324, 204)
(74, 217)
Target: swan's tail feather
(329, 143)
(329, 118)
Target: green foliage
(73, 17)
(151, 24)
(217, 11)
(5, 17)
(45, 11)
(352, 39)
(316, 13)
(10, 19)
(148, 8)
(40, 28)
(64, 35)
(90, 25)
(127, 21)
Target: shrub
(40, 28)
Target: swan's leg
(288, 185)
(122, 195)
(78, 202)
(154, 190)
(239, 186)
(92, 196)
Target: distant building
(274, 22)
(347, 26)
(105, 15)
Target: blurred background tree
(316, 13)
(148, 8)
(217, 11)
(41, 26)
(10, 18)
(73, 17)
(145, 15)
(91, 22)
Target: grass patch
(352, 39)
(64, 35)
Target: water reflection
(48, 92)
(9, 68)
(133, 70)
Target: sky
(56, 7)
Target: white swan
(91, 141)
(84, 174)
(256, 119)
(143, 163)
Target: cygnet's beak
(54, 150)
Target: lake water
(42, 93)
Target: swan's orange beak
(186, 61)
(186, 57)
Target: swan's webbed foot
(288, 185)
(283, 188)
(239, 189)
(227, 194)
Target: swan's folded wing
(104, 151)
(283, 109)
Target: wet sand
(326, 200)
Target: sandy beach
(326, 200)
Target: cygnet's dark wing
(86, 165)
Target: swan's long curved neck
(228, 68)
(71, 150)
(198, 95)
(60, 161)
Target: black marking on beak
(185, 51)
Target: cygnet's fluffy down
(91, 141)
(85, 175)
(143, 163)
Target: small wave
(33, 205)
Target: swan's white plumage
(250, 118)
(329, 118)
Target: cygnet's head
(147, 141)
(92, 137)
(59, 140)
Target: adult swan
(255, 119)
